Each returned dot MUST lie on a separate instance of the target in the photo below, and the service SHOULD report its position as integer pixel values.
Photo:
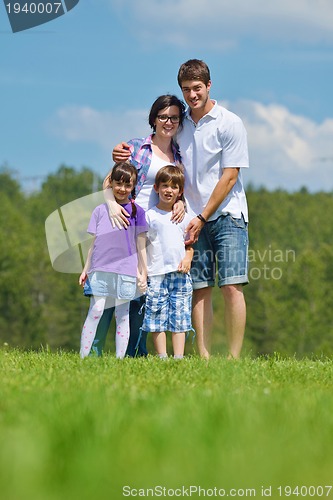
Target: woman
(148, 155)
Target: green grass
(85, 429)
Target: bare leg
(178, 344)
(159, 339)
(202, 315)
(235, 317)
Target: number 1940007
(34, 8)
(304, 491)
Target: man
(213, 146)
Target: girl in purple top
(116, 261)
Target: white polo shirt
(217, 141)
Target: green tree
(21, 319)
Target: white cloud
(286, 150)
(103, 128)
(221, 23)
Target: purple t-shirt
(114, 249)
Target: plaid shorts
(168, 303)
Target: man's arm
(121, 152)
(220, 192)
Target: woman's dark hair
(125, 172)
(165, 101)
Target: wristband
(201, 217)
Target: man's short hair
(194, 69)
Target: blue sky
(72, 88)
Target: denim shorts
(103, 284)
(222, 243)
(168, 303)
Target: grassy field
(104, 428)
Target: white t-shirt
(216, 142)
(147, 196)
(165, 242)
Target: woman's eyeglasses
(165, 118)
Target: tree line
(289, 297)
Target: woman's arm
(178, 211)
(118, 215)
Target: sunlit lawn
(105, 428)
